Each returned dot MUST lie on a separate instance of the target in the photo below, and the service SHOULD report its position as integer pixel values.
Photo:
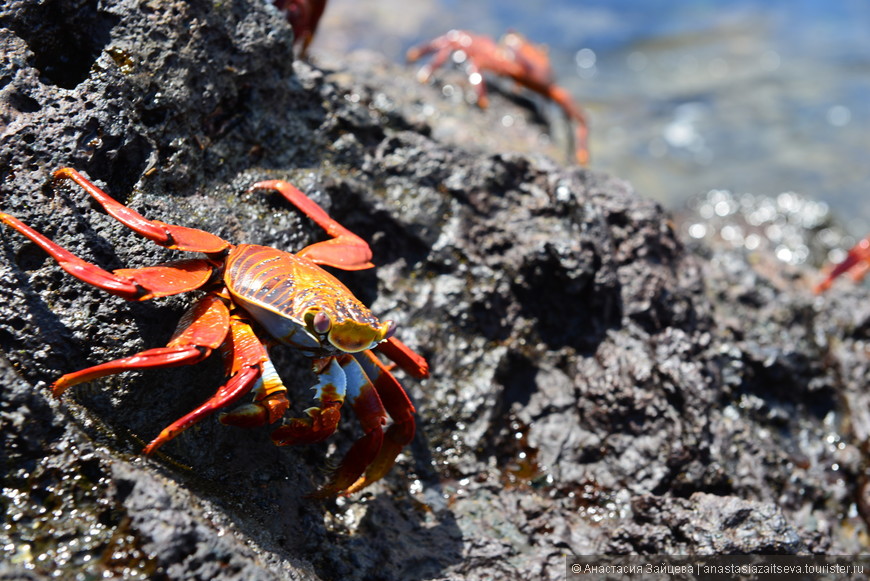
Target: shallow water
(683, 97)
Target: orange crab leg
(174, 237)
(442, 53)
(345, 250)
(201, 330)
(581, 130)
(168, 235)
(231, 391)
(857, 263)
(137, 284)
(244, 356)
(400, 409)
(404, 357)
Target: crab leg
(400, 409)
(303, 16)
(475, 48)
(404, 357)
(533, 71)
(133, 284)
(201, 330)
(857, 263)
(245, 358)
(344, 250)
(581, 129)
(174, 237)
(442, 52)
(231, 391)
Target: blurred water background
(684, 97)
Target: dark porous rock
(597, 386)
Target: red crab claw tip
(353, 465)
(319, 425)
(397, 437)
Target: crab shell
(299, 303)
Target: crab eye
(321, 323)
(391, 329)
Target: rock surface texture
(597, 386)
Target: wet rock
(705, 524)
(597, 386)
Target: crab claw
(270, 402)
(321, 421)
(341, 377)
(366, 402)
(399, 408)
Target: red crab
(256, 297)
(303, 15)
(856, 263)
(514, 56)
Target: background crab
(513, 56)
(856, 263)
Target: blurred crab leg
(244, 357)
(442, 53)
(344, 250)
(303, 16)
(404, 357)
(860, 271)
(443, 47)
(475, 77)
(134, 284)
(201, 330)
(174, 237)
(573, 111)
(367, 405)
(400, 409)
(857, 261)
